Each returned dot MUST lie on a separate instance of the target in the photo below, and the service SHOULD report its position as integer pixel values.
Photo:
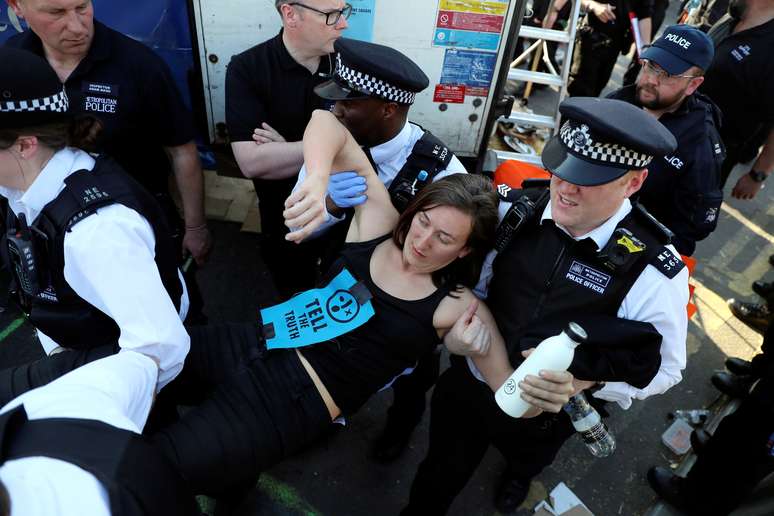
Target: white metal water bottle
(553, 354)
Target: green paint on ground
(285, 495)
(11, 328)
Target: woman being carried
(262, 406)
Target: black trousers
(464, 421)
(409, 391)
(254, 410)
(739, 454)
(593, 61)
(293, 267)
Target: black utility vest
(138, 478)
(543, 279)
(57, 310)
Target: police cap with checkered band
(30, 92)
(367, 70)
(603, 139)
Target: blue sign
(466, 39)
(361, 22)
(469, 67)
(318, 315)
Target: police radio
(403, 190)
(521, 211)
(21, 252)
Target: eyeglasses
(331, 17)
(660, 73)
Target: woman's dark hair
(81, 132)
(471, 194)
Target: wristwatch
(758, 176)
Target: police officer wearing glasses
(583, 252)
(269, 100)
(683, 189)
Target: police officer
(683, 189)
(145, 126)
(269, 100)
(740, 82)
(92, 256)
(373, 87)
(583, 253)
(73, 446)
(605, 33)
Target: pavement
(335, 477)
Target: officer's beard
(737, 8)
(657, 102)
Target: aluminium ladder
(553, 78)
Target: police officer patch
(588, 277)
(100, 98)
(668, 263)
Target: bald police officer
(582, 253)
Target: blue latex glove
(347, 189)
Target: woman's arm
(328, 146)
(467, 324)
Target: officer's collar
(287, 62)
(48, 184)
(601, 234)
(391, 149)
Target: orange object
(691, 264)
(513, 173)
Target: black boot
(733, 385)
(755, 315)
(699, 440)
(669, 487)
(739, 366)
(511, 493)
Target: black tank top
(356, 365)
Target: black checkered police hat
(365, 70)
(30, 92)
(603, 139)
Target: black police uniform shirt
(620, 29)
(741, 81)
(683, 189)
(265, 84)
(131, 90)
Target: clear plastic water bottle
(589, 425)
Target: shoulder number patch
(667, 263)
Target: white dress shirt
(389, 158)
(117, 390)
(109, 262)
(653, 298)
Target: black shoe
(771, 260)
(392, 441)
(699, 440)
(756, 316)
(732, 385)
(739, 366)
(511, 493)
(763, 288)
(669, 487)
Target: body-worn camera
(21, 251)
